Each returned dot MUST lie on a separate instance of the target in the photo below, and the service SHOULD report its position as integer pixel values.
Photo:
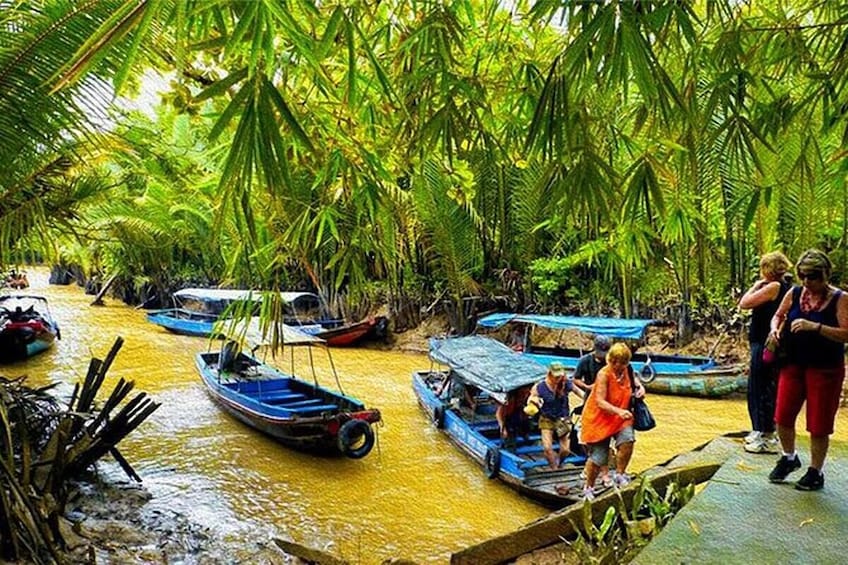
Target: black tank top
(761, 315)
(811, 349)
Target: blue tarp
(621, 328)
(486, 363)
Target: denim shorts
(598, 452)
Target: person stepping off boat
(607, 416)
(553, 412)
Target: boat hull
(298, 414)
(349, 334)
(182, 322)
(522, 467)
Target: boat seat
(485, 425)
(281, 396)
(531, 440)
(572, 459)
(533, 464)
(308, 409)
(299, 403)
(527, 449)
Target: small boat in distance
(26, 327)
(196, 310)
(494, 371)
(683, 375)
(295, 412)
(16, 280)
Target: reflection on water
(414, 496)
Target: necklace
(813, 302)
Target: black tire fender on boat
(350, 433)
(647, 373)
(439, 416)
(492, 462)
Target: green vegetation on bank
(615, 157)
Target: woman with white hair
(814, 322)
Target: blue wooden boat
(295, 412)
(196, 312)
(494, 370)
(684, 375)
(26, 327)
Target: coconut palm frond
(449, 230)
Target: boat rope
(312, 365)
(335, 373)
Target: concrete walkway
(740, 517)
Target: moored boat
(494, 371)
(295, 412)
(196, 312)
(26, 327)
(685, 375)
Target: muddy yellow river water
(415, 496)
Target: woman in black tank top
(814, 321)
(762, 299)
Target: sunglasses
(811, 275)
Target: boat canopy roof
(621, 328)
(14, 298)
(255, 333)
(232, 295)
(486, 363)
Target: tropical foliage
(571, 155)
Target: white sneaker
(588, 494)
(762, 446)
(622, 480)
(753, 437)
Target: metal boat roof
(35, 297)
(622, 328)
(486, 363)
(236, 294)
(257, 333)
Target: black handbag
(643, 420)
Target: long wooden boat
(198, 310)
(684, 375)
(494, 370)
(26, 327)
(295, 412)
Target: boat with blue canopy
(685, 375)
(460, 393)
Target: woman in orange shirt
(606, 415)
